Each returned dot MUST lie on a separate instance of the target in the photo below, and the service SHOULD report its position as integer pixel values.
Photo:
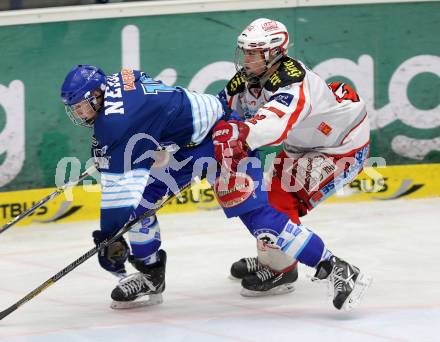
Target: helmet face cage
(248, 69)
(87, 105)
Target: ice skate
(143, 288)
(244, 267)
(266, 282)
(346, 281)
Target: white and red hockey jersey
(298, 109)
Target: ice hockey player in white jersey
(133, 117)
(325, 136)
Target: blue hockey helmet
(78, 87)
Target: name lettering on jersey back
(128, 79)
(113, 91)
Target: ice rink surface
(397, 242)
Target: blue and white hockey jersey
(141, 115)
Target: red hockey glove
(230, 146)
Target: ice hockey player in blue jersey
(134, 116)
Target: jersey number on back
(151, 86)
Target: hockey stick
(48, 198)
(89, 254)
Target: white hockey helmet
(268, 36)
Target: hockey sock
(145, 240)
(301, 244)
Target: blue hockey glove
(235, 116)
(113, 257)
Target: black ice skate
(150, 281)
(244, 267)
(346, 281)
(266, 282)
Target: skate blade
(279, 290)
(363, 282)
(153, 299)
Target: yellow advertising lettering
(291, 69)
(275, 79)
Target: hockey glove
(229, 138)
(112, 257)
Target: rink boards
(82, 202)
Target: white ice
(397, 242)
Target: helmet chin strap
(90, 121)
(95, 103)
(96, 106)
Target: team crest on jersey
(95, 142)
(102, 161)
(98, 153)
(325, 128)
(284, 98)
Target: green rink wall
(389, 52)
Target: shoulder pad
(236, 85)
(289, 72)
